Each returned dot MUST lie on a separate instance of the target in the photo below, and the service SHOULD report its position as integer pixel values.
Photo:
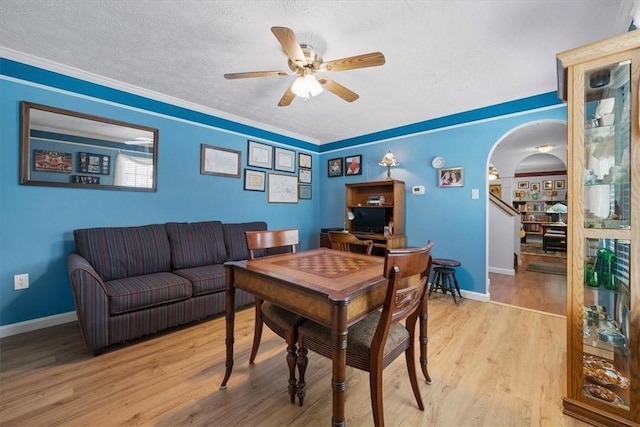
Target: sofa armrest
(92, 303)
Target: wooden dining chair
(378, 339)
(344, 241)
(279, 320)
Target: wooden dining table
(333, 288)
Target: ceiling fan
(305, 62)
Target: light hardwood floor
(491, 365)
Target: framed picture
(559, 184)
(523, 184)
(353, 165)
(552, 193)
(283, 188)
(99, 164)
(535, 187)
(304, 191)
(547, 185)
(85, 179)
(219, 161)
(260, 155)
(519, 193)
(51, 161)
(304, 160)
(254, 180)
(304, 176)
(496, 190)
(334, 167)
(285, 160)
(450, 177)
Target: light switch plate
(475, 193)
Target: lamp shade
(389, 160)
(557, 208)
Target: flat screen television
(368, 220)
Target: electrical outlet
(21, 281)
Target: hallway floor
(531, 290)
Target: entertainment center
(374, 211)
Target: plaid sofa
(129, 282)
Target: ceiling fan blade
(372, 59)
(250, 74)
(287, 97)
(338, 89)
(290, 44)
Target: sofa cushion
(117, 252)
(204, 280)
(196, 244)
(236, 241)
(138, 292)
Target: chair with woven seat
(279, 320)
(345, 241)
(378, 339)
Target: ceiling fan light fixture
(306, 86)
(545, 148)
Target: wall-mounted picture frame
(559, 184)
(259, 155)
(99, 164)
(282, 188)
(534, 187)
(219, 161)
(547, 185)
(304, 176)
(304, 160)
(353, 165)
(551, 193)
(284, 160)
(254, 180)
(523, 185)
(496, 190)
(334, 167)
(85, 179)
(304, 192)
(52, 161)
(519, 193)
(451, 177)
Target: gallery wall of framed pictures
(289, 182)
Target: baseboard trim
(475, 296)
(505, 271)
(34, 324)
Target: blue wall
(37, 222)
(448, 216)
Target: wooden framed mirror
(65, 148)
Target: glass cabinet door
(607, 206)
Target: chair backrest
(287, 240)
(344, 241)
(409, 268)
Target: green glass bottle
(605, 264)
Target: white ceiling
(442, 57)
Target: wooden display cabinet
(600, 83)
(383, 200)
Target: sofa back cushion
(196, 244)
(236, 241)
(117, 252)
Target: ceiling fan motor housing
(311, 55)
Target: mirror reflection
(67, 148)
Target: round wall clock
(437, 162)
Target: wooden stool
(444, 277)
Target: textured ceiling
(442, 57)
